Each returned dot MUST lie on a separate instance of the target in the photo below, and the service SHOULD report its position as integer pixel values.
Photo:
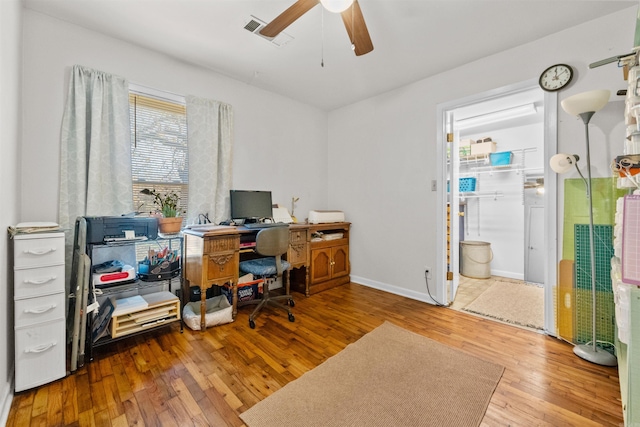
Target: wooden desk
(212, 258)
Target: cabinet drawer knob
(40, 310)
(40, 281)
(40, 348)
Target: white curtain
(210, 135)
(95, 155)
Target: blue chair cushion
(262, 266)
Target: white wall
(382, 151)
(10, 106)
(280, 144)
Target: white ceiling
(413, 39)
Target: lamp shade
(584, 102)
(562, 163)
(336, 6)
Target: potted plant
(167, 204)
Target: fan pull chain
(322, 38)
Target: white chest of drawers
(39, 298)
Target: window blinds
(158, 149)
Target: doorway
(509, 205)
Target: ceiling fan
(351, 16)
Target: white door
(453, 237)
(534, 250)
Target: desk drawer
(34, 282)
(221, 244)
(298, 236)
(39, 310)
(298, 253)
(33, 251)
(222, 265)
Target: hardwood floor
(166, 378)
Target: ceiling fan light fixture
(336, 6)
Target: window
(159, 158)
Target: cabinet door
(340, 261)
(320, 265)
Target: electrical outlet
(427, 272)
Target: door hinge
(449, 137)
(449, 275)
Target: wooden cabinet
(39, 315)
(329, 264)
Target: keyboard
(255, 225)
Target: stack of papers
(129, 305)
(281, 215)
(33, 227)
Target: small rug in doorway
(512, 302)
(389, 377)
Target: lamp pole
(592, 353)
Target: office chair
(272, 243)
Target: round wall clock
(555, 77)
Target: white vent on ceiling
(254, 25)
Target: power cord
(438, 304)
(204, 218)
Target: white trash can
(475, 259)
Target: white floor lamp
(585, 105)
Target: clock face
(556, 77)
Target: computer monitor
(250, 205)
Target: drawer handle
(40, 348)
(40, 281)
(39, 251)
(40, 310)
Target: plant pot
(169, 225)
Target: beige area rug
(512, 302)
(389, 377)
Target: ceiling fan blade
(357, 29)
(287, 17)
